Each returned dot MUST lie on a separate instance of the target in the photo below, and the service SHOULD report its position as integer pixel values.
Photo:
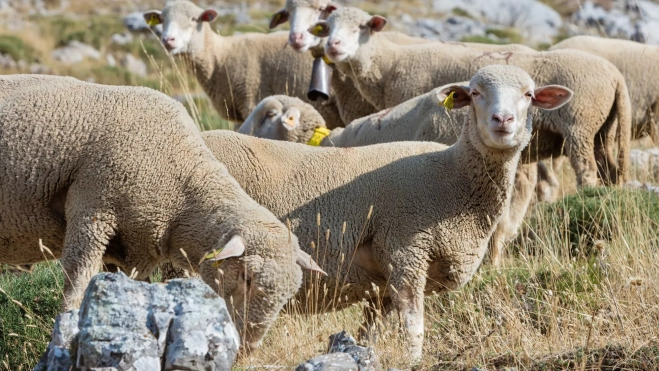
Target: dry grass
(546, 308)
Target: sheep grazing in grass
(387, 74)
(434, 208)
(121, 175)
(639, 64)
(236, 72)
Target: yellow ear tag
(153, 20)
(319, 134)
(317, 30)
(213, 254)
(327, 61)
(448, 102)
(277, 17)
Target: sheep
(418, 119)
(283, 118)
(121, 175)
(639, 64)
(236, 72)
(434, 208)
(302, 14)
(387, 74)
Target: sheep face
(302, 14)
(282, 118)
(183, 24)
(259, 271)
(346, 30)
(500, 97)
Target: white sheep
(302, 14)
(639, 64)
(236, 72)
(434, 208)
(121, 175)
(387, 74)
(283, 118)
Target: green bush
(595, 214)
(28, 304)
(207, 118)
(96, 30)
(480, 39)
(17, 48)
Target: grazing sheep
(121, 175)
(434, 208)
(639, 64)
(387, 74)
(282, 117)
(302, 14)
(236, 72)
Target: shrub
(594, 214)
(17, 48)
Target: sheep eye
(193, 19)
(271, 113)
(529, 94)
(473, 93)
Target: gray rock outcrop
(129, 325)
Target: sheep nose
(334, 42)
(168, 41)
(504, 118)
(295, 39)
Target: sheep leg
(373, 311)
(84, 245)
(583, 161)
(548, 184)
(652, 121)
(407, 298)
(514, 212)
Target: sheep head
(281, 117)
(256, 270)
(346, 30)
(302, 14)
(183, 24)
(500, 97)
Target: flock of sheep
(445, 156)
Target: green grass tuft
(25, 328)
(17, 48)
(595, 214)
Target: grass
(28, 304)
(578, 290)
(546, 308)
(17, 48)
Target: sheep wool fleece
(95, 170)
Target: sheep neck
(490, 171)
(370, 68)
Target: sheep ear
(551, 96)
(291, 119)
(152, 17)
(278, 18)
(234, 248)
(376, 23)
(320, 29)
(460, 97)
(209, 15)
(329, 9)
(306, 262)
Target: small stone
(134, 65)
(329, 362)
(75, 52)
